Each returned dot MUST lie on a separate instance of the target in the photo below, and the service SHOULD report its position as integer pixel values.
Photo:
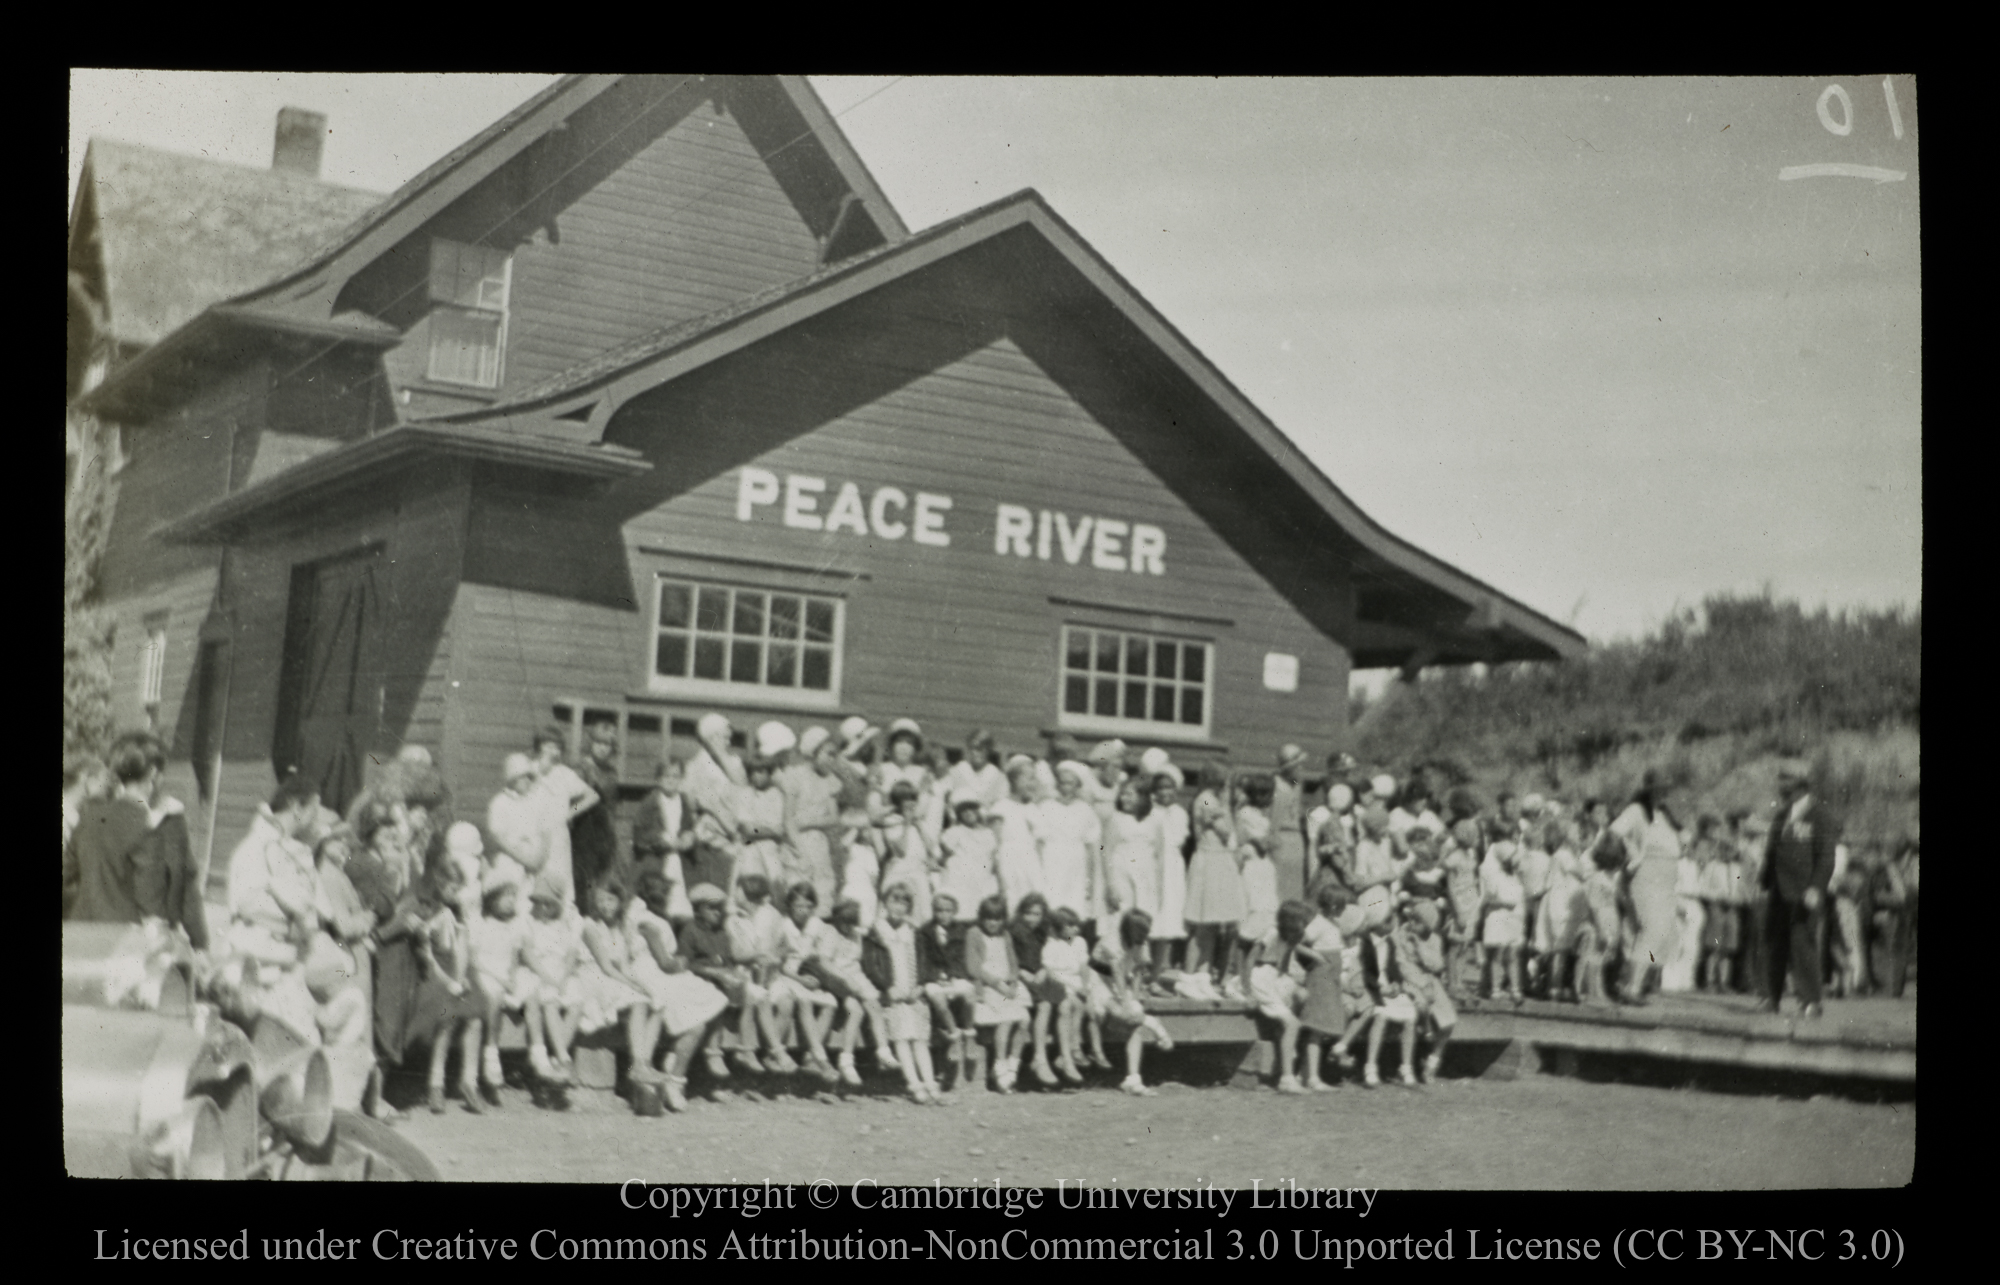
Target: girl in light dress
(970, 848)
(1001, 1000)
(837, 960)
(1259, 877)
(1564, 914)
(1502, 898)
(681, 1005)
(1068, 833)
(904, 763)
(500, 972)
(1214, 884)
(1019, 855)
(445, 1004)
(1125, 1008)
(1029, 933)
(1132, 875)
(554, 953)
(890, 960)
(604, 986)
(1066, 956)
(761, 816)
(1176, 829)
(814, 1003)
(910, 862)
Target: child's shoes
(848, 1073)
(676, 1093)
(470, 1092)
(1290, 1084)
(1044, 1072)
(1321, 1086)
(1069, 1071)
(1407, 1077)
(781, 1062)
(716, 1066)
(1370, 1077)
(1138, 1088)
(1432, 1065)
(746, 1059)
(435, 1099)
(489, 1067)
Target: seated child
(1383, 969)
(554, 953)
(604, 987)
(756, 941)
(501, 974)
(837, 964)
(941, 961)
(1066, 957)
(1323, 949)
(1027, 933)
(889, 958)
(683, 1007)
(710, 955)
(1274, 978)
(444, 1005)
(808, 997)
(1129, 961)
(1001, 1000)
(1421, 954)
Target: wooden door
(330, 691)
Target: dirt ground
(1533, 1133)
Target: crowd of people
(788, 897)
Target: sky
(1608, 345)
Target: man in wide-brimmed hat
(1799, 860)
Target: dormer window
(468, 286)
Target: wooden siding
(956, 637)
(693, 222)
(175, 464)
(419, 524)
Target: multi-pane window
(754, 638)
(468, 290)
(153, 663)
(1134, 678)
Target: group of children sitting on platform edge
(823, 885)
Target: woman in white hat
(1071, 836)
(902, 765)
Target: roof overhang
(377, 460)
(1409, 604)
(184, 361)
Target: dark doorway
(330, 689)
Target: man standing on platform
(1288, 825)
(1798, 866)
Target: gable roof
(1489, 625)
(178, 233)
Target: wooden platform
(1861, 1039)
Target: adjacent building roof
(178, 233)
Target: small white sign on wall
(1281, 672)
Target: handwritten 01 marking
(1837, 169)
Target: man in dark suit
(1798, 866)
(130, 859)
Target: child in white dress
(909, 850)
(1170, 925)
(554, 952)
(1019, 856)
(969, 851)
(1066, 956)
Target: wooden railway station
(644, 402)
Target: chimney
(301, 135)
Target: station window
(739, 643)
(153, 663)
(1144, 684)
(468, 292)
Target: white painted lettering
(878, 512)
(754, 486)
(1107, 546)
(1012, 525)
(1042, 537)
(1073, 542)
(1845, 125)
(801, 509)
(1149, 548)
(846, 513)
(928, 523)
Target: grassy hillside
(1712, 699)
